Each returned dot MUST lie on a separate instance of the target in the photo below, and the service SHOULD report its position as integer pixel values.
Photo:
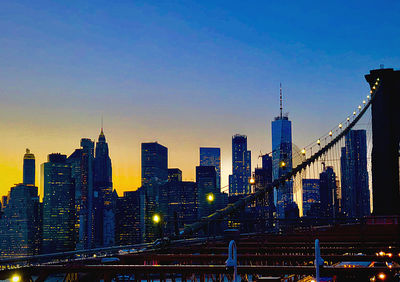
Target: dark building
(327, 192)
(128, 219)
(385, 141)
(311, 196)
(29, 168)
(179, 205)
(174, 175)
(265, 208)
(241, 166)
(207, 189)
(212, 157)
(154, 174)
(355, 191)
(58, 205)
(82, 164)
(19, 224)
(104, 213)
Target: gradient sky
(186, 74)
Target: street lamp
(156, 218)
(252, 180)
(210, 197)
(16, 278)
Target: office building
(29, 168)
(282, 159)
(104, 212)
(212, 157)
(241, 166)
(128, 219)
(154, 174)
(82, 164)
(355, 189)
(58, 205)
(311, 195)
(327, 192)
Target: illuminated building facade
(58, 205)
(241, 166)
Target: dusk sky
(186, 74)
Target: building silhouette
(58, 205)
(327, 192)
(212, 157)
(82, 163)
(29, 168)
(20, 222)
(104, 212)
(355, 190)
(241, 166)
(207, 189)
(311, 196)
(154, 174)
(128, 230)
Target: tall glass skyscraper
(328, 192)
(241, 166)
(58, 205)
(212, 157)
(355, 191)
(282, 161)
(29, 168)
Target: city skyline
(156, 73)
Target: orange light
(390, 255)
(252, 181)
(382, 276)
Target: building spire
(280, 94)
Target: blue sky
(185, 73)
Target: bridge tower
(385, 141)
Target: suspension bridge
(284, 255)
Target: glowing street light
(303, 152)
(330, 133)
(282, 164)
(319, 142)
(156, 218)
(252, 180)
(210, 197)
(340, 125)
(16, 278)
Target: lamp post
(157, 221)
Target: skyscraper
(327, 192)
(128, 219)
(355, 191)
(208, 193)
(154, 174)
(282, 159)
(104, 213)
(82, 163)
(19, 224)
(20, 230)
(212, 157)
(311, 195)
(29, 168)
(241, 166)
(58, 205)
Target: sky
(183, 73)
